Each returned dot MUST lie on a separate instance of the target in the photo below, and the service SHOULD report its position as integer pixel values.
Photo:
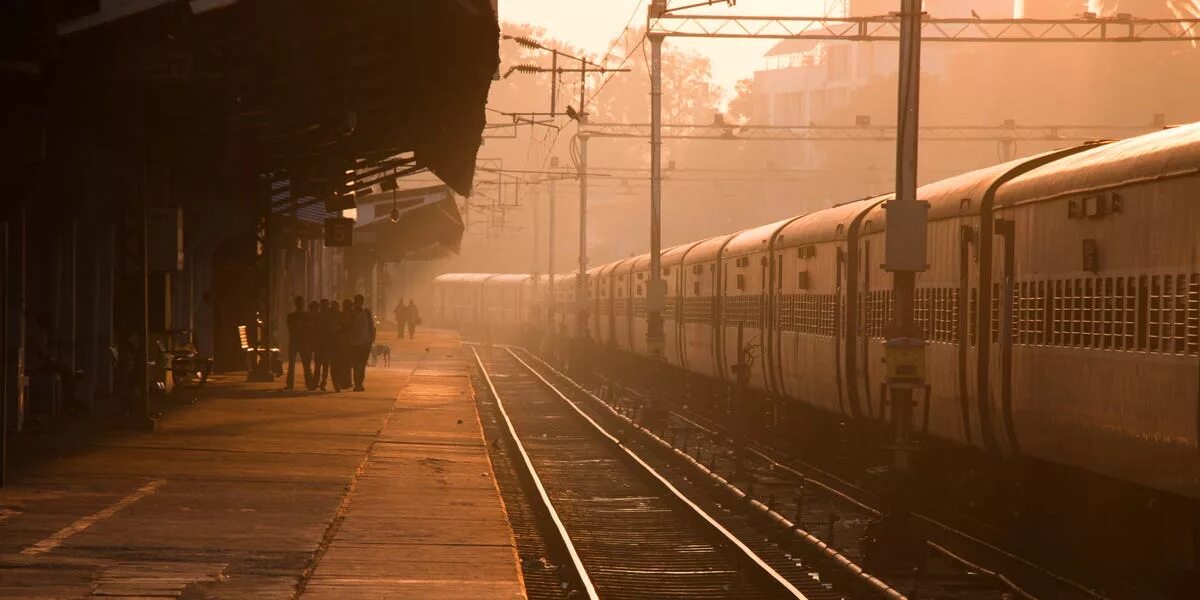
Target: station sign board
(339, 232)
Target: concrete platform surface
(250, 492)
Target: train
(1060, 307)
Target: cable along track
(629, 532)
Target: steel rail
(878, 585)
(700, 512)
(580, 570)
(862, 506)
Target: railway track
(830, 515)
(627, 529)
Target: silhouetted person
(361, 336)
(401, 314)
(342, 360)
(299, 333)
(43, 358)
(326, 326)
(412, 319)
(337, 351)
(310, 351)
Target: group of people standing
(333, 342)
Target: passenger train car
(1061, 308)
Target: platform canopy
(426, 223)
(324, 95)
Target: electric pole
(552, 313)
(581, 284)
(897, 542)
(655, 291)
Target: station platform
(252, 492)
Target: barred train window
(1155, 313)
(1193, 312)
(1154, 332)
(973, 317)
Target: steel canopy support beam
(869, 133)
(886, 28)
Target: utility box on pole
(907, 236)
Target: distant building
(841, 83)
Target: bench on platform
(187, 367)
(258, 356)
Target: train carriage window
(1088, 317)
(1168, 320)
(1181, 314)
(1020, 313)
(1127, 291)
(952, 318)
(1057, 338)
(1110, 315)
(1043, 312)
(1193, 315)
(1143, 313)
(1068, 313)
(995, 313)
(1154, 323)
(973, 317)
(921, 302)
(1077, 313)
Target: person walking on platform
(299, 326)
(412, 318)
(323, 344)
(333, 344)
(314, 340)
(341, 360)
(361, 336)
(401, 314)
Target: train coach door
(839, 330)
(775, 356)
(1002, 356)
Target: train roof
(642, 261)
(706, 250)
(1163, 154)
(508, 278)
(607, 269)
(825, 225)
(676, 254)
(627, 265)
(963, 194)
(463, 277)
(757, 239)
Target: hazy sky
(592, 24)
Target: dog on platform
(381, 351)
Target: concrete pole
(906, 217)
(899, 542)
(581, 287)
(552, 313)
(537, 238)
(655, 292)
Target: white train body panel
(1061, 308)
